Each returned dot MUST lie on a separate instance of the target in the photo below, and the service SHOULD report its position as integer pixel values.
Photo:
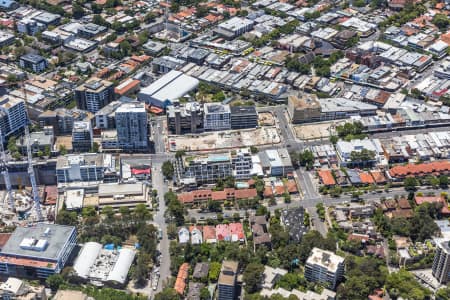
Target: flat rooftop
(56, 237)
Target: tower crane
(34, 187)
(5, 173)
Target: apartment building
(243, 117)
(441, 262)
(184, 118)
(84, 167)
(33, 62)
(94, 94)
(226, 284)
(13, 115)
(131, 125)
(82, 137)
(242, 164)
(208, 169)
(324, 267)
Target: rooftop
(325, 259)
(29, 241)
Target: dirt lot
(225, 139)
(316, 131)
(266, 119)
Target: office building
(184, 118)
(82, 138)
(216, 116)
(13, 115)
(29, 26)
(324, 267)
(226, 284)
(90, 167)
(234, 27)
(166, 64)
(94, 94)
(91, 30)
(33, 62)
(131, 125)
(441, 262)
(168, 88)
(38, 251)
(243, 117)
(208, 169)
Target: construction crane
(34, 187)
(5, 173)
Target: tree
(172, 231)
(108, 211)
(47, 151)
(54, 281)
(180, 154)
(95, 147)
(252, 277)
(253, 149)
(306, 159)
(410, 183)
(204, 294)
(443, 181)
(167, 169)
(214, 271)
(441, 21)
(62, 150)
(443, 293)
(403, 284)
(141, 270)
(334, 139)
(88, 211)
(65, 217)
(359, 3)
(141, 212)
(214, 206)
(167, 294)
(77, 11)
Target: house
(232, 232)
(183, 235)
(183, 274)
(445, 211)
(201, 270)
(196, 235)
(260, 231)
(209, 234)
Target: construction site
(21, 206)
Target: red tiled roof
(292, 186)
(326, 177)
(366, 178)
(180, 283)
(420, 169)
(378, 176)
(268, 192)
(245, 193)
(209, 233)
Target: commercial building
(309, 108)
(91, 30)
(82, 138)
(234, 27)
(38, 251)
(169, 87)
(127, 87)
(226, 284)
(13, 115)
(441, 262)
(131, 125)
(276, 162)
(100, 266)
(33, 62)
(166, 64)
(243, 117)
(80, 44)
(324, 267)
(94, 94)
(346, 153)
(39, 141)
(216, 116)
(84, 167)
(184, 118)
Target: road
(161, 187)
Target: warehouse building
(169, 87)
(100, 266)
